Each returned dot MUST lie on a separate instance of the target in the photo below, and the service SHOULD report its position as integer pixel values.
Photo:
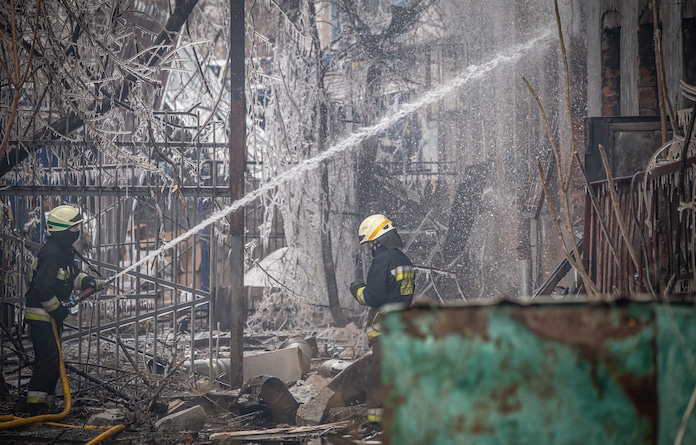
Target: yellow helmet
(62, 218)
(373, 227)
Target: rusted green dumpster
(542, 373)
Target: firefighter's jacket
(391, 279)
(54, 276)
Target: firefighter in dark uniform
(390, 280)
(54, 277)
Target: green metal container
(543, 373)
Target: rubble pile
(298, 389)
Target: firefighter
(391, 277)
(53, 278)
(390, 280)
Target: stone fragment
(192, 419)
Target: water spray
(473, 72)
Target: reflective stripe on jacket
(37, 313)
(391, 279)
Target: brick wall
(611, 72)
(647, 75)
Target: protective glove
(72, 304)
(356, 289)
(72, 301)
(60, 313)
(97, 283)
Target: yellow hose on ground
(108, 430)
(16, 422)
(106, 434)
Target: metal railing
(160, 309)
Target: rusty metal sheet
(676, 347)
(549, 373)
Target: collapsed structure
(451, 167)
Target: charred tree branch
(595, 205)
(617, 210)
(72, 121)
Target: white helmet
(62, 218)
(373, 227)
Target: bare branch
(617, 210)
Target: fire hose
(15, 421)
(75, 299)
(11, 421)
(83, 295)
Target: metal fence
(135, 197)
(647, 247)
